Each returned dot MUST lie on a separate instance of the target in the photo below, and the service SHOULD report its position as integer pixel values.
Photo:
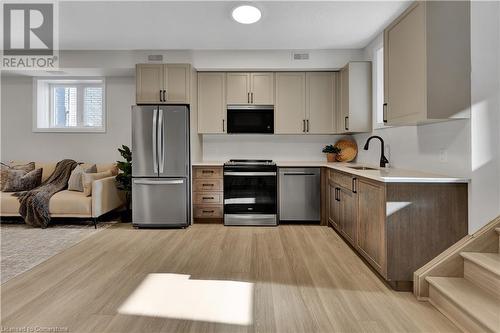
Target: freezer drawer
(160, 202)
(299, 193)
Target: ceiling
(126, 25)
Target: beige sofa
(104, 198)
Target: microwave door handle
(155, 139)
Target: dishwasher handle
(299, 174)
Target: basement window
(69, 105)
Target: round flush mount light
(246, 14)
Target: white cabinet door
(320, 102)
(343, 118)
(211, 102)
(150, 82)
(290, 103)
(262, 88)
(238, 88)
(178, 83)
(406, 68)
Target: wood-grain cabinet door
(211, 103)
(262, 88)
(348, 214)
(150, 82)
(177, 88)
(371, 235)
(333, 205)
(320, 99)
(290, 103)
(238, 88)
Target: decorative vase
(331, 157)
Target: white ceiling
(111, 25)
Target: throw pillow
(6, 168)
(75, 179)
(88, 179)
(19, 180)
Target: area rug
(23, 247)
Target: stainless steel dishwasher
(299, 194)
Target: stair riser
(461, 319)
(482, 277)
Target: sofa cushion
(64, 202)
(19, 180)
(70, 202)
(75, 179)
(9, 205)
(6, 171)
(49, 167)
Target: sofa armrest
(105, 196)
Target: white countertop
(384, 175)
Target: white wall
(274, 147)
(18, 142)
(485, 115)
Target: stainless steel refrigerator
(160, 166)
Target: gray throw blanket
(35, 203)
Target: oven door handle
(247, 173)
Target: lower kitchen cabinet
(348, 207)
(208, 194)
(371, 224)
(396, 227)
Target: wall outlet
(443, 155)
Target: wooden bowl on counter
(348, 150)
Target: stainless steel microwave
(254, 119)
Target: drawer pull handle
(207, 185)
(208, 211)
(207, 171)
(208, 198)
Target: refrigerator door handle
(159, 182)
(154, 139)
(161, 138)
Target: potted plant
(124, 178)
(331, 152)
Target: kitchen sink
(362, 168)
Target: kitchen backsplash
(275, 147)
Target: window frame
(47, 102)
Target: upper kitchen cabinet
(250, 88)
(211, 102)
(289, 110)
(320, 102)
(427, 63)
(163, 83)
(355, 98)
(305, 102)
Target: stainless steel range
(250, 192)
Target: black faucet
(383, 159)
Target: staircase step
(468, 306)
(483, 269)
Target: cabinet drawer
(207, 212)
(342, 179)
(211, 172)
(207, 185)
(208, 198)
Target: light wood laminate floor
(303, 278)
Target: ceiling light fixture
(246, 14)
